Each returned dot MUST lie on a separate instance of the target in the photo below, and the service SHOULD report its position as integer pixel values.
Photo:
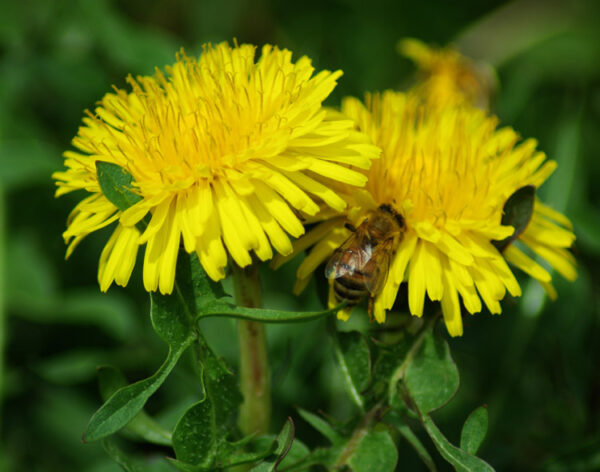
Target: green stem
(255, 379)
(2, 301)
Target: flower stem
(2, 295)
(255, 378)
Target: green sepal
(474, 430)
(431, 377)
(517, 212)
(116, 185)
(461, 460)
(111, 379)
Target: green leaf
(283, 444)
(195, 437)
(432, 377)
(115, 183)
(297, 452)
(226, 308)
(473, 431)
(461, 460)
(116, 454)
(210, 300)
(172, 318)
(321, 426)
(397, 421)
(111, 379)
(70, 367)
(375, 451)
(128, 401)
(200, 435)
(354, 358)
(517, 213)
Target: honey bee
(359, 267)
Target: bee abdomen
(347, 289)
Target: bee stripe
(352, 283)
(345, 293)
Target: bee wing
(377, 269)
(353, 254)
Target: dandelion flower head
(448, 171)
(226, 152)
(446, 77)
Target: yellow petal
(526, 264)
(450, 304)
(416, 281)
(279, 240)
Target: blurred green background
(535, 366)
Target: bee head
(390, 210)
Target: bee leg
(350, 227)
(370, 309)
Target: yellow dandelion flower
(448, 78)
(451, 79)
(227, 154)
(448, 173)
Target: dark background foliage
(535, 366)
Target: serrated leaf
(116, 185)
(474, 430)
(354, 358)
(375, 451)
(517, 213)
(202, 431)
(461, 460)
(283, 444)
(128, 401)
(195, 437)
(110, 379)
(173, 320)
(431, 378)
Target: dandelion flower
(227, 154)
(448, 78)
(448, 172)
